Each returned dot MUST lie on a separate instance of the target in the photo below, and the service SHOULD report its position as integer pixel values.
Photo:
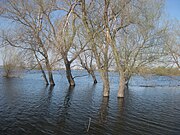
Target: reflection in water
(121, 105)
(90, 91)
(10, 88)
(51, 88)
(29, 108)
(67, 99)
(49, 96)
(89, 98)
(63, 110)
(103, 111)
(117, 120)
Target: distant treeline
(162, 71)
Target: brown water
(27, 107)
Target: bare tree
(28, 47)
(29, 16)
(87, 62)
(65, 42)
(63, 32)
(134, 33)
(45, 33)
(91, 17)
(130, 31)
(86, 58)
(173, 44)
(12, 62)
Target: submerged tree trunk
(68, 72)
(106, 87)
(44, 76)
(101, 61)
(51, 80)
(42, 70)
(123, 85)
(48, 65)
(127, 82)
(93, 76)
(50, 75)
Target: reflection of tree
(120, 123)
(67, 99)
(103, 111)
(50, 90)
(10, 89)
(90, 92)
(45, 100)
(121, 106)
(64, 109)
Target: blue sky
(172, 8)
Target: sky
(172, 9)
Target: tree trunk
(44, 76)
(127, 82)
(94, 77)
(106, 87)
(122, 86)
(51, 80)
(50, 75)
(42, 70)
(68, 73)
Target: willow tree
(130, 29)
(29, 16)
(173, 45)
(65, 32)
(65, 43)
(12, 62)
(87, 62)
(86, 58)
(91, 17)
(24, 41)
(135, 34)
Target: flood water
(28, 107)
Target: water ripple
(27, 107)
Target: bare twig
(79, 76)
(89, 124)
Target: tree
(87, 62)
(130, 29)
(63, 33)
(128, 33)
(44, 31)
(91, 17)
(173, 44)
(65, 43)
(29, 17)
(135, 35)
(12, 62)
(86, 58)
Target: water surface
(28, 107)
